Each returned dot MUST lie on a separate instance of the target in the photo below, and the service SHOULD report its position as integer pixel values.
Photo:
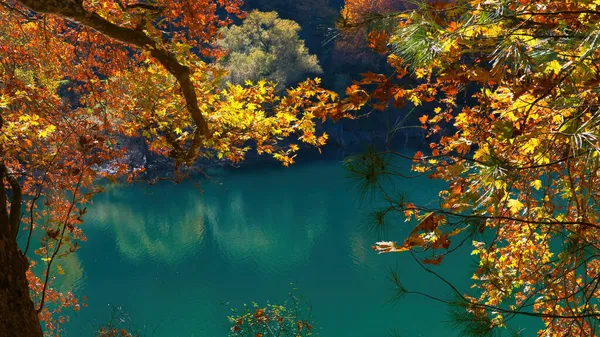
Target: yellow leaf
(553, 66)
(537, 184)
(60, 270)
(500, 184)
(420, 72)
(48, 130)
(530, 146)
(515, 206)
(415, 100)
(482, 153)
(494, 30)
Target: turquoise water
(172, 255)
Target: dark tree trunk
(17, 312)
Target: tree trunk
(17, 313)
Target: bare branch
(146, 6)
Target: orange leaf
(435, 261)
(428, 224)
(442, 242)
(453, 26)
(412, 241)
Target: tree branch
(15, 201)
(76, 13)
(13, 9)
(60, 241)
(146, 6)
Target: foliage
(118, 325)
(361, 25)
(266, 47)
(76, 75)
(511, 100)
(314, 16)
(272, 320)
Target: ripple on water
(172, 255)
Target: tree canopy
(75, 76)
(510, 90)
(507, 91)
(266, 47)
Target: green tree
(267, 47)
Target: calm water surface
(172, 255)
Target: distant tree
(314, 16)
(267, 47)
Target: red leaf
(435, 261)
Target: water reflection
(269, 226)
(73, 277)
(165, 226)
(255, 228)
(179, 253)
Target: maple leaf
(434, 261)
(420, 72)
(537, 184)
(515, 206)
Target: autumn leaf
(428, 223)
(553, 67)
(514, 117)
(537, 184)
(414, 99)
(453, 26)
(387, 247)
(420, 72)
(434, 261)
(515, 206)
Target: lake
(176, 257)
